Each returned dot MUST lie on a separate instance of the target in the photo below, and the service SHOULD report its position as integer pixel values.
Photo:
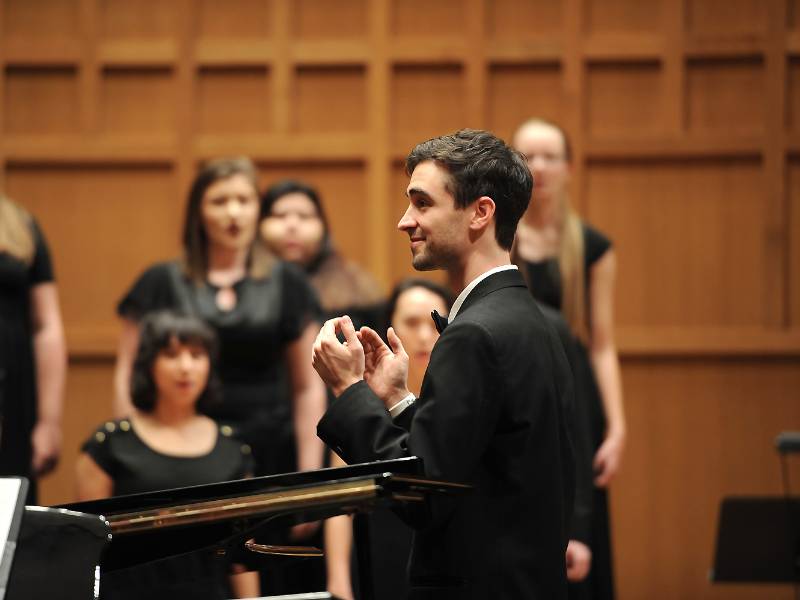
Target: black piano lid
(150, 500)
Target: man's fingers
(329, 327)
(372, 338)
(394, 340)
(349, 331)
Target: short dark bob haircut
(409, 284)
(156, 332)
(481, 164)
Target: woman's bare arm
(126, 352)
(50, 354)
(605, 362)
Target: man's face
(439, 232)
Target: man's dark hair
(481, 164)
(156, 331)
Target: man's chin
(423, 263)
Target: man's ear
(483, 213)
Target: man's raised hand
(386, 369)
(340, 365)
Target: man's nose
(406, 222)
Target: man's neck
(475, 265)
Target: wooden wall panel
(642, 115)
(793, 95)
(233, 19)
(699, 430)
(426, 101)
(622, 15)
(233, 100)
(684, 121)
(517, 91)
(44, 17)
(793, 270)
(727, 18)
(724, 96)
(696, 225)
(445, 17)
(509, 19)
(329, 99)
(143, 19)
(43, 100)
(321, 19)
(138, 101)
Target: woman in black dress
(32, 350)
(166, 443)
(294, 227)
(571, 266)
(263, 311)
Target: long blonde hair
(571, 251)
(16, 236)
(571, 264)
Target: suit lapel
(497, 281)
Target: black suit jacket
(491, 413)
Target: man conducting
(491, 412)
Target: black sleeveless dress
(270, 313)
(17, 361)
(544, 279)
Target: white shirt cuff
(398, 408)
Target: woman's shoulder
(229, 442)
(106, 443)
(596, 243)
(153, 289)
(108, 431)
(160, 271)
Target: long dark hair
(195, 239)
(156, 332)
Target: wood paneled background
(685, 118)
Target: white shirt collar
(465, 292)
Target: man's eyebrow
(416, 191)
